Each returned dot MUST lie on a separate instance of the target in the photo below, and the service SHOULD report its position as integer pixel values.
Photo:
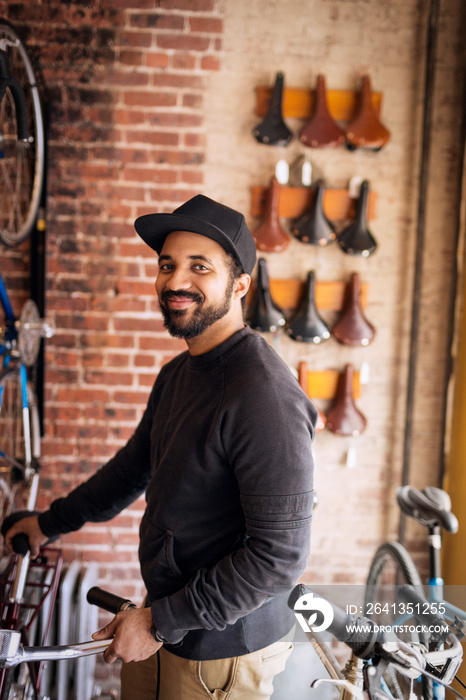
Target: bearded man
(223, 454)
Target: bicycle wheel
(19, 442)
(391, 567)
(21, 159)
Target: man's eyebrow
(162, 258)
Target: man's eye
(198, 266)
(165, 267)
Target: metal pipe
(431, 51)
(13, 653)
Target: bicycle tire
(22, 162)
(392, 566)
(18, 445)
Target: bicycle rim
(15, 441)
(21, 163)
(392, 566)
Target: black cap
(208, 218)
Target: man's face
(194, 284)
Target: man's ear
(242, 284)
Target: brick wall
(152, 101)
(123, 85)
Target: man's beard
(202, 318)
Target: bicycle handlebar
(108, 601)
(20, 542)
(424, 611)
(369, 640)
(359, 634)
(12, 652)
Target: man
(223, 452)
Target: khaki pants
(248, 677)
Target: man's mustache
(167, 294)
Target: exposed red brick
(159, 21)
(184, 61)
(183, 42)
(206, 25)
(150, 99)
(157, 60)
(178, 80)
(139, 39)
(125, 83)
(192, 177)
(210, 63)
(192, 101)
(131, 58)
(188, 5)
(148, 175)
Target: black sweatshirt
(223, 452)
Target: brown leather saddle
(366, 130)
(321, 130)
(353, 328)
(344, 418)
(270, 235)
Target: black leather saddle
(430, 507)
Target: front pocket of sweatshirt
(159, 569)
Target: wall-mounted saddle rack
(322, 384)
(294, 201)
(299, 102)
(328, 295)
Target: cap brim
(154, 228)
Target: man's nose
(178, 279)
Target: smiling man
(223, 452)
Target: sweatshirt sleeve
(111, 489)
(269, 446)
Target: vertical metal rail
(458, 272)
(38, 273)
(429, 80)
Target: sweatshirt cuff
(167, 614)
(48, 525)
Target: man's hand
(132, 637)
(30, 527)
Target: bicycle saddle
(366, 130)
(272, 130)
(263, 314)
(356, 238)
(320, 130)
(306, 325)
(345, 418)
(313, 226)
(353, 328)
(270, 236)
(431, 506)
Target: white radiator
(74, 621)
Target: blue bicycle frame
(10, 336)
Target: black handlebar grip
(20, 542)
(108, 601)
(424, 611)
(360, 634)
